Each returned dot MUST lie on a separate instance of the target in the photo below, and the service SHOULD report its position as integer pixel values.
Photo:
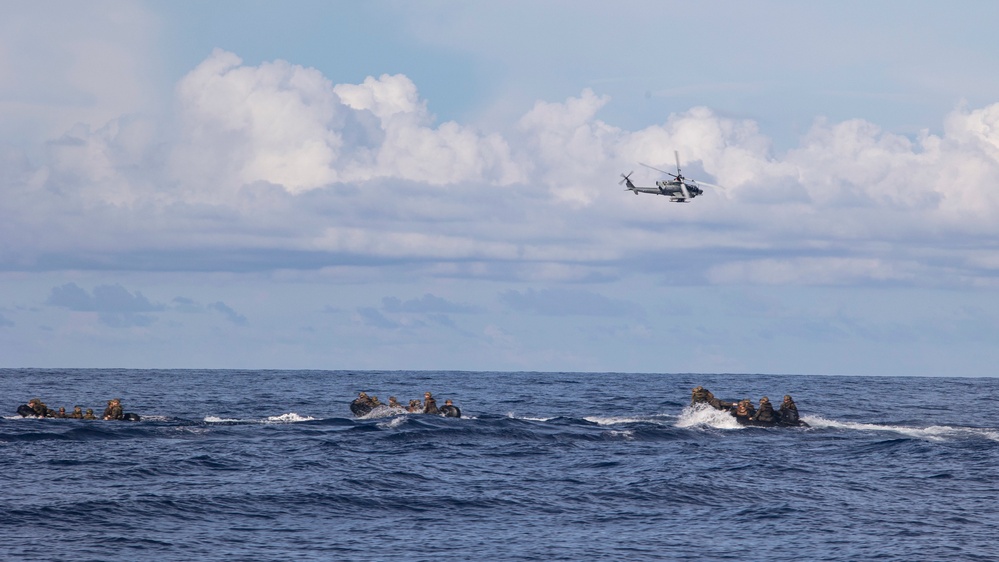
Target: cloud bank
(275, 167)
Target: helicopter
(679, 189)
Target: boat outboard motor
(450, 411)
(360, 409)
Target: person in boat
(61, 413)
(77, 413)
(415, 407)
(39, 407)
(25, 410)
(394, 403)
(89, 415)
(449, 410)
(113, 411)
(765, 415)
(701, 395)
(429, 404)
(744, 411)
(788, 413)
(361, 405)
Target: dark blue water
(270, 465)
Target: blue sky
(433, 185)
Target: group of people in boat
(364, 404)
(36, 408)
(743, 410)
(746, 414)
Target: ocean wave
(931, 433)
(627, 434)
(216, 419)
(513, 416)
(395, 421)
(290, 417)
(617, 420)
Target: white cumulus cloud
(290, 126)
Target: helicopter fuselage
(670, 189)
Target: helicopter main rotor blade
(676, 153)
(657, 169)
(706, 184)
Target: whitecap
(704, 415)
(627, 435)
(614, 420)
(290, 417)
(216, 419)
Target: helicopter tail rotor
(626, 181)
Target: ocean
(271, 465)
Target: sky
(434, 186)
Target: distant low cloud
(414, 314)
(566, 302)
(371, 317)
(184, 304)
(426, 304)
(116, 306)
(229, 314)
(73, 297)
